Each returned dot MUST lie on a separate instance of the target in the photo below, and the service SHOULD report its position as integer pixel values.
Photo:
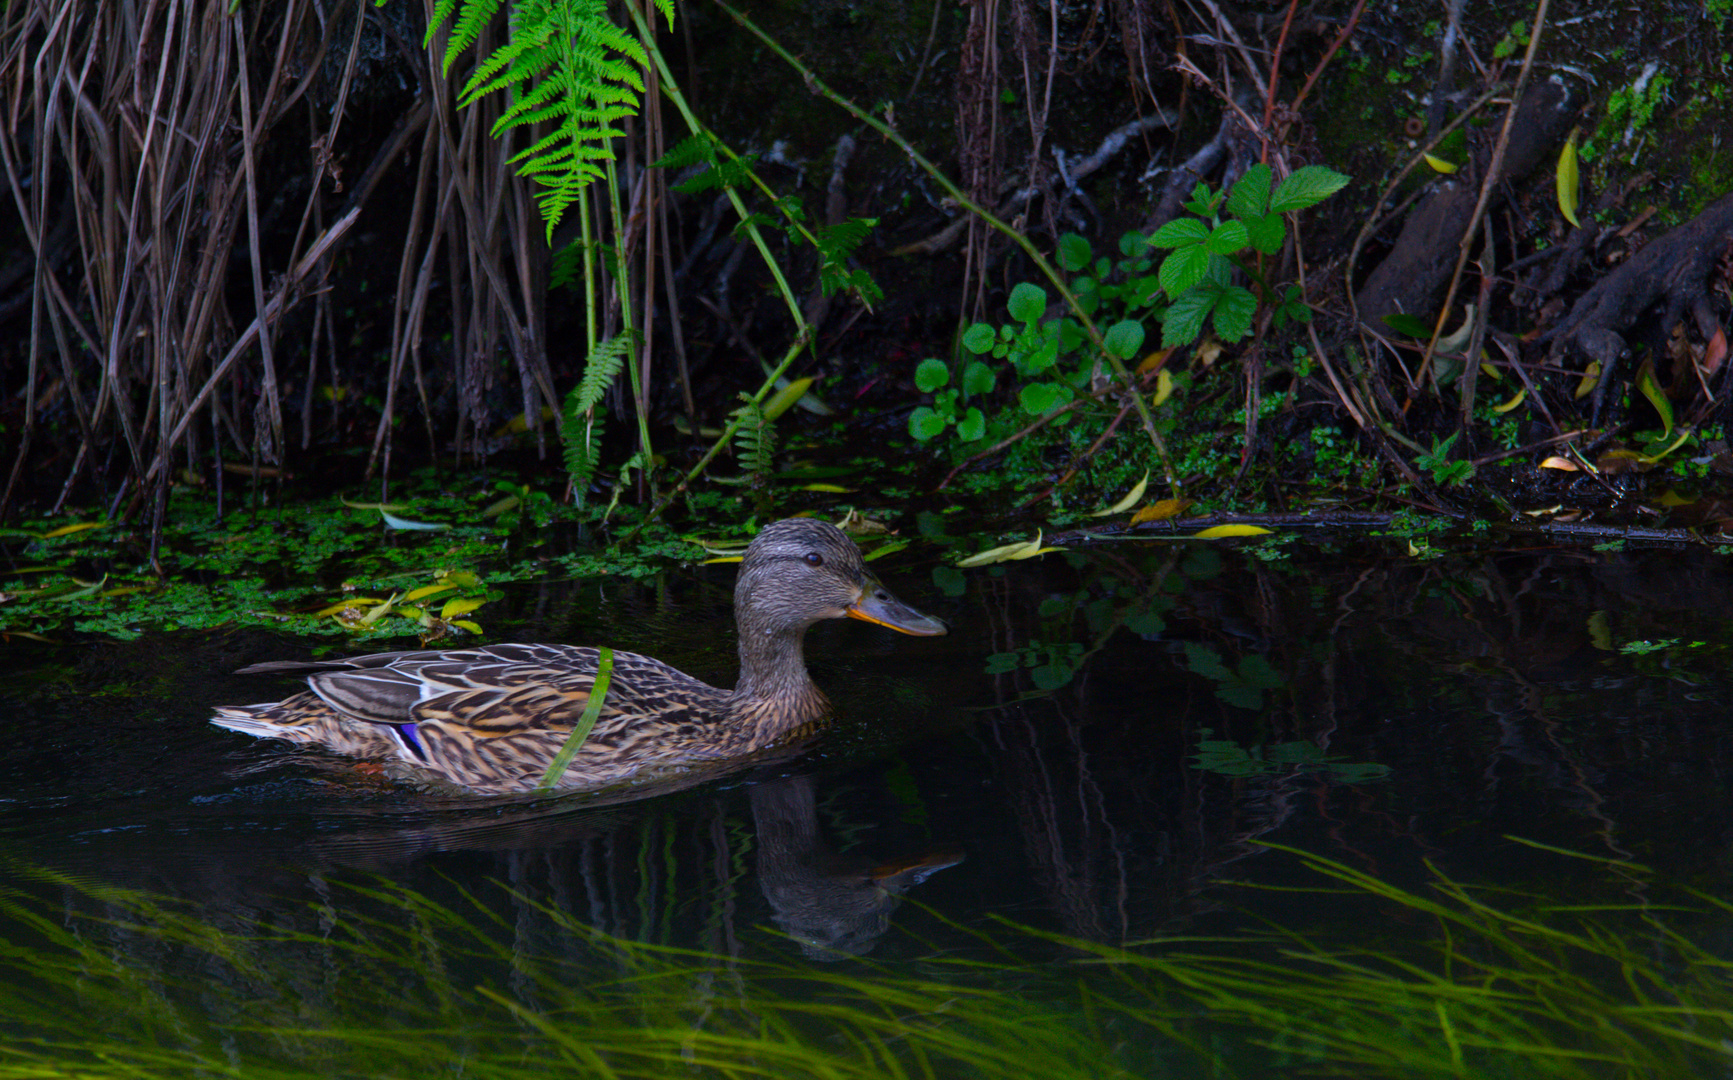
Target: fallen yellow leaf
(1160, 511)
(1216, 532)
(1561, 464)
(1512, 403)
(1129, 501)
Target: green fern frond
(697, 149)
(565, 64)
(464, 32)
(836, 245)
(581, 420)
(754, 440)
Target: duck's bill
(877, 605)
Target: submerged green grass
(382, 981)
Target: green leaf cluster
(1205, 250)
(1051, 361)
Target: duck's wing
(500, 690)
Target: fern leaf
(754, 440)
(581, 421)
(566, 63)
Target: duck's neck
(773, 677)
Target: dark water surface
(1100, 749)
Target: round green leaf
(972, 426)
(932, 374)
(1124, 338)
(925, 424)
(1037, 398)
(1073, 253)
(1133, 244)
(1028, 302)
(978, 378)
(978, 338)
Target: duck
(489, 720)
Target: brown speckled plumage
(491, 719)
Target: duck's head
(801, 570)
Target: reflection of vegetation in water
(1229, 758)
(1519, 987)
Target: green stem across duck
(490, 719)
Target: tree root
(1674, 268)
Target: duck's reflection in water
(833, 905)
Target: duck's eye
(813, 558)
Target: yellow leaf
(1591, 378)
(1600, 633)
(1546, 510)
(1163, 387)
(379, 612)
(89, 589)
(357, 602)
(1160, 511)
(1512, 403)
(1568, 181)
(1455, 342)
(495, 509)
(429, 590)
(459, 605)
(1440, 165)
(1684, 434)
(1657, 397)
(784, 399)
(834, 489)
(724, 558)
(517, 425)
(1153, 361)
(465, 624)
(1673, 498)
(885, 549)
(373, 506)
(66, 530)
(1129, 501)
(1561, 464)
(463, 579)
(1216, 532)
(1008, 553)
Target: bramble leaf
(1306, 187)
(1233, 313)
(1251, 194)
(1230, 236)
(1266, 233)
(1185, 317)
(1182, 269)
(1179, 232)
